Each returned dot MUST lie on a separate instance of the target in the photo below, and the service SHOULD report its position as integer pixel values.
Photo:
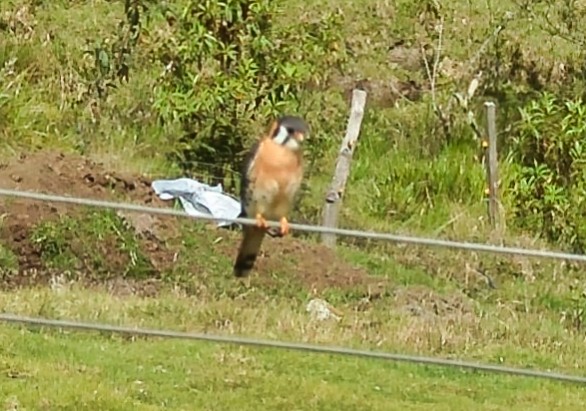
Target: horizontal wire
(303, 227)
(11, 318)
(285, 345)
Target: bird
(272, 174)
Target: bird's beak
(299, 136)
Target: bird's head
(290, 131)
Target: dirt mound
(67, 175)
(315, 267)
(72, 175)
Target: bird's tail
(252, 237)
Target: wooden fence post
(342, 171)
(492, 164)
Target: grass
(8, 261)
(92, 241)
(116, 373)
(404, 179)
(521, 323)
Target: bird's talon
(261, 222)
(284, 226)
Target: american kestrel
(271, 178)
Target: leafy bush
(229, 69)
(549, 154)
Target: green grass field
(176, 275)
(119, 373)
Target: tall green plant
(111, 58)
(229, 69)
(549, 151)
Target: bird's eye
(290, 131)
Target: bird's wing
(245, 174)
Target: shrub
(549, 154)
(229, 69)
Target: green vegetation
(89, 371)
(8, 260)
(98, 242)
(179, 88)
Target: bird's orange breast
(278, 171)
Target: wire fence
(432, 242)
(291, 346)
(11, 318)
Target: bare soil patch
(314, 267)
